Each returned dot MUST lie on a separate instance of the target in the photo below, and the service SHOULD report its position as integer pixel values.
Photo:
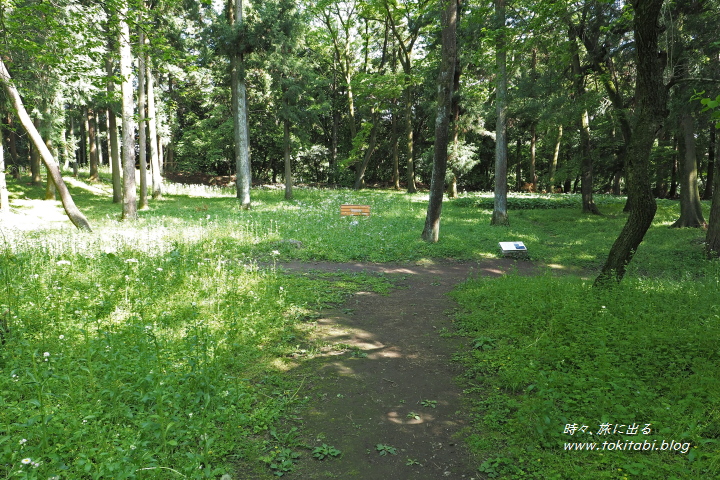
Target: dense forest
(546, 96)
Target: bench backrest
(363, 210)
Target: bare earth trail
(393, 383)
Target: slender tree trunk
(98, 137)
(115, 165)
(690, 207)
(50, 192)
(35, 176)
(288, 165)
(651, 106)
(500, 214)
(360, 175)
(142, 125)
(94, 176)
(239, 108)
(533, 144)
(410, 172)
(4, 198)
(586, 166)
(395, 148)
(128, 123)
(75, 148)
(84, 128)
(556, 155)
(151, 119)
(518, 163)
(709, 181)
(76, 217)
(672, 193)
(712, 238)
(446, 83)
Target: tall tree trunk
(690, 207)
(651, 106)
(500, 215)
(142, 126)
(395, 148)
(76, 217)
(35, 175)
(533, 144)
(4, 197)
(446, 83)
(239, 109)
(554, 161)
(98, 137)
(75, 148)
(672, 193)
(452, 159)
(410, 172)
(586, 167)
(12, 146)
(94, 176)
(518, 163)
(115, 165)
(288, 164)
(128, 123)
(151, 119)
(84, 127)
(50, 191)
(709, 182)
(360, 174)
(712, 238)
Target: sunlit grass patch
(139, 351)
(550, 352)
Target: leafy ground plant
(385, 449)
(325, 451)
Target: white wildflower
(63, 262)
(26, 461)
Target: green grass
(172, 342)
(548, 352)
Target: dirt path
(394, 385)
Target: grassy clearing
(167, 348)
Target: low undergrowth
(126, 363)
(555, 366)
(166, 348)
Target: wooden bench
(363, 210)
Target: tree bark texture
(446, 83)
(360, 175)
(556, 155)
(586, 167)
(142, 124)
(240, 124)
(73, 213)
(651, 107)
(712, 238)
(4, 197)
(128, 124)
(92, 143)
(709, 181)
(410, 171)
(690, 207)
(288, 164)
(151, 119)
(35, 175)
(500, 215)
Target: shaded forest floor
(383, 391)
